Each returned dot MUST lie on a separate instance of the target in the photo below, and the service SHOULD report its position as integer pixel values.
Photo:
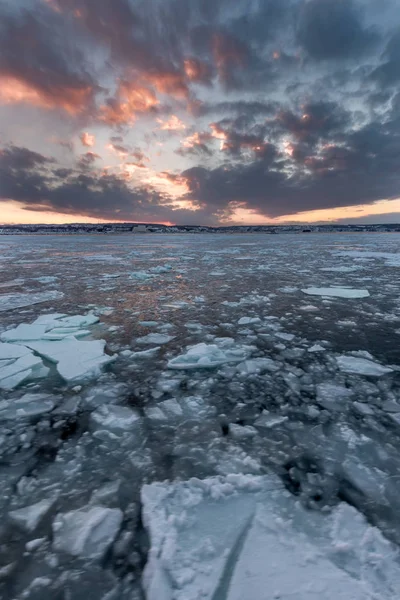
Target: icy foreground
(152, 359)
(242, 537)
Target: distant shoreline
(75, 231)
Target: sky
(202, 112)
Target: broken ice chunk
(115, 418)
(29, 517)
(155, 338)
(336, 292)
(16, 372)
(75, 360)
(12, 351)
(332, 396)
(24, 333)
(361, 366)
(30, 405)
(12, 301)
(249, 320)
(87, 532)
(203, 356)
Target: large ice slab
(205, 356)
(55, 338)
(243, 537)
(76, 360)
(14, 373)
(336, 292)
(12, 301)
(54, 326)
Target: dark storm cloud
(84, 191)
(40, 63)
(362, 169)
(333, 29)
(15, 158)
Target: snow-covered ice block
(87, 532)
(115, 418)
(29, 517)
(205, 356)
(361, 366)
(336, 292)
(242, 537)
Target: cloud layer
(176, 111)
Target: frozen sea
(266, 366)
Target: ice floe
(29, 517)
(75, 360)
(205, 356)
(12, 301)
(241, 536)
(54, 338)
(87, 532)
(336, 292)
(155, 338)
(361, 366)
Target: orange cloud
(172, 124)
(168, 82)
(219, 134)
(16, 91)
(197, 70)
(87, 139)
(197, 139)
(130, 100)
